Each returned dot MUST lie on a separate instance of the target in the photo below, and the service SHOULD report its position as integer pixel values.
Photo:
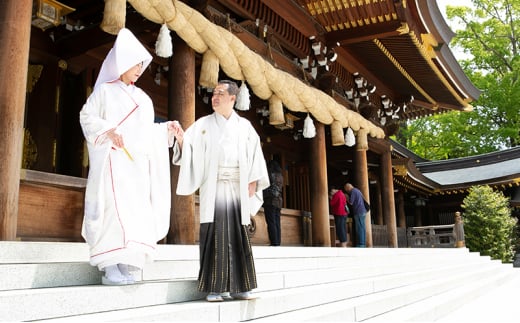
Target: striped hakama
(226, 257)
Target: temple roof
(402, 47)
(499, 169)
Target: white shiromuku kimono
(199, 163)
(127, 200)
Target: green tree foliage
(488, 35)
(449, 135)
(489, 227)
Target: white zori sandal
(115, 276)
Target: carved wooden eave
(408, 176)
(404, 43)
(433, 19)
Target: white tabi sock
(113, 273)
(123, 268)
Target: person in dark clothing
(273, 202)
(358, 211)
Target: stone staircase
(53, 281)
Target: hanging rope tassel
(163, 45)
(243, 102)
(114, 16)
(350, 139)
(309, 130)
(276, 114)
(209, 70)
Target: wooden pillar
(378, 217)
(319, 189)
(181, 107)
(401, 215)
(387, 186)
(361, 179)
(15, 32)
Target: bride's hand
(117, 139)
(174, 127)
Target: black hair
(273, 166)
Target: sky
(442, 7)
(443, 3)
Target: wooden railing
(380, 236)
(433, 236)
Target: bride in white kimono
(127, 199)
(221, 155)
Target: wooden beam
(367, 33)
(93, 36)
(352, 64)
(278, 60)
(296, 16)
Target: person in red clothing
(338, 208)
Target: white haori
(204, 148)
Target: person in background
(127, 198)
(273, 202)
(221, 156)
(338, 208)
(358, 211)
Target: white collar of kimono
(126, 53)
(222, 121)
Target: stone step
(46, 275)
(425, 302)
(185, 290)
(440, 305)
(20, 252)
(41, 267)
(44, 303)
(53, 280)
(350, 300)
